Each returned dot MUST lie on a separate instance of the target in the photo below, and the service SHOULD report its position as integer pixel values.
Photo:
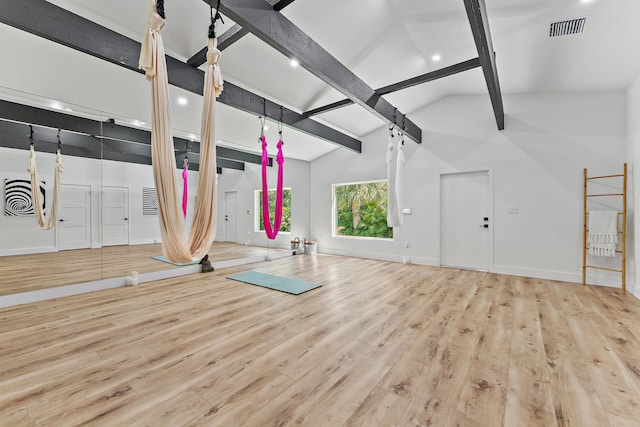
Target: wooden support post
(584, 231)
(624, 231)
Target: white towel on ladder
(603, 233)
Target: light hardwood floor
(25, 273)
(379, 344)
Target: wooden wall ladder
(623, 232)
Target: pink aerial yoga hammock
(185, 186)
(266, 215)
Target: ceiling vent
(564, 28)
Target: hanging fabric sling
(185, 186)
(271, 232)
(395, 162)
(35, 185)
(175, 245)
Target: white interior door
(231, 216)
(464, 220)
(74, 217)
(115, 216)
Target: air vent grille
(564, 28)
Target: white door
(115, 216)
(464, 220)
(74, 217)
(231, 216)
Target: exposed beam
(263, 21)
(226, 39)
(242, 156)
(477, 14)
(424, 78)
(329, 107)
(81, 136)
(192, 148)
(16, 135)
(59, 25)
(229, 37)
(230, 164)
(281, 4)
(430, 76)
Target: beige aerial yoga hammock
(175, 245)
(35, 185)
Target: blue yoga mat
(181, 264)
(283, 284)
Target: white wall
(143, 229)
(633, 154)
(20, 235)
(296, 177)
(536, 163)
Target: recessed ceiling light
(265, 127)
(56, 105)
(68, 109)
(182, 100)
(436, 57)
(294, 63)
(192, 136)
(138, 123)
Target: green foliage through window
(286, 209)
(361, 210)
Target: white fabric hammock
(175, 245)
(35, 190)
(395, 163)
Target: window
(285, 227)
(360, 209)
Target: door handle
(126, 219)
(226, 217)
(61, 220)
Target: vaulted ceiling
(380, 41)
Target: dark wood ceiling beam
(47, 20)
(430, 76)
(232, 35)
(230, 164)
(329, 107)
(477, 14)
(280, 4)
(263, 21)
(226, 39)
(424, 78)
(82, 136)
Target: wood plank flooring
(25, 273)
(379, 344)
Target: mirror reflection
(107, 217)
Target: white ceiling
(382, 41)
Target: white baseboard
(28, 251)
(271, 245)
(561, 276)
(134, 242)
(406, 259)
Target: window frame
(257, 200)
(334, 211)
